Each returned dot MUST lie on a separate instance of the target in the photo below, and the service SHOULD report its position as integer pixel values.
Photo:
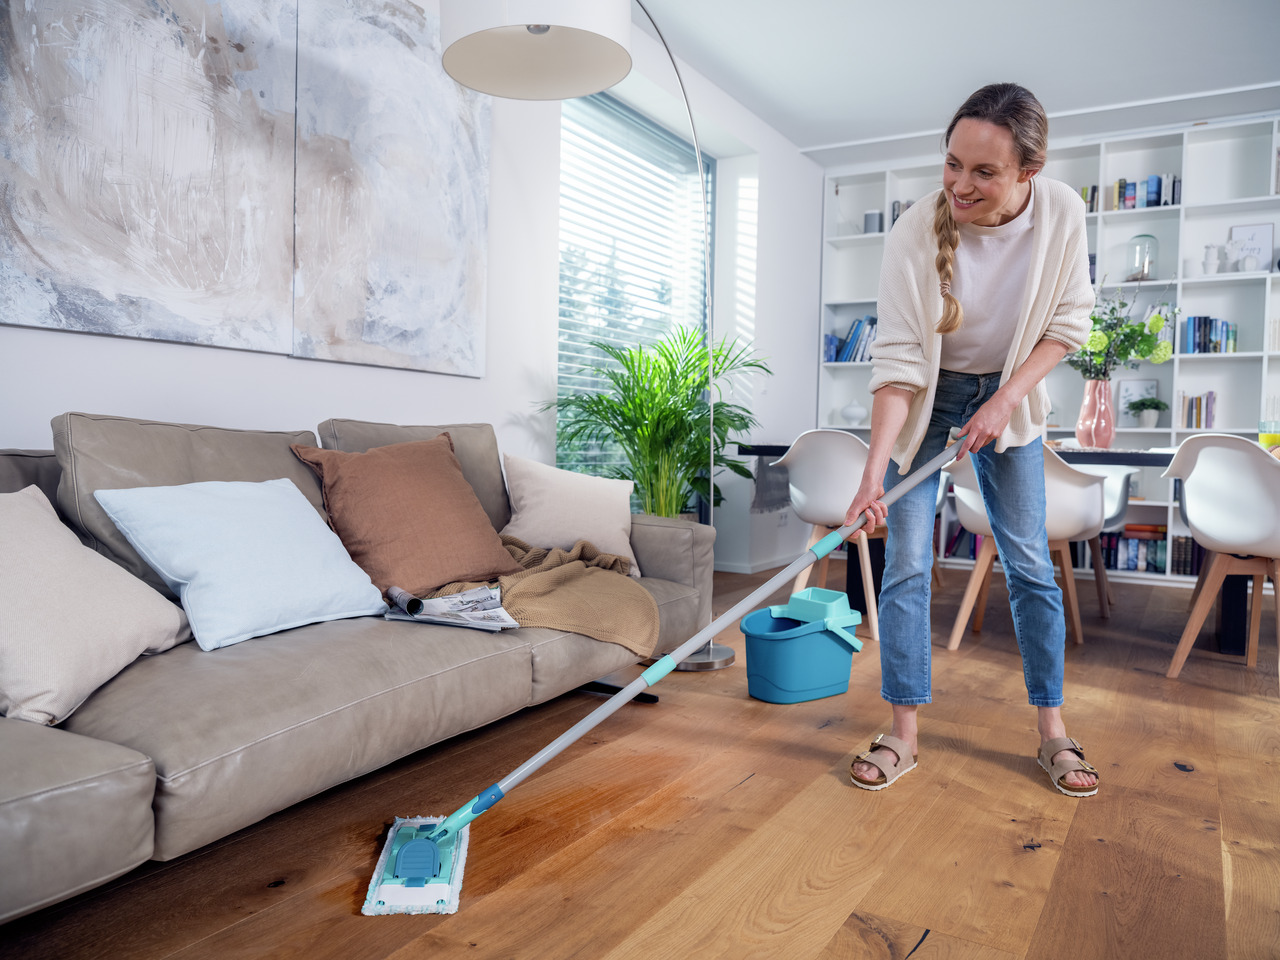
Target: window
(631, 244)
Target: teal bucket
(791, 660)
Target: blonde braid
(948, 234)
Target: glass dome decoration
(1142, 258)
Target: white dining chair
(1075, 511)
(1231, 503)
(824, 468)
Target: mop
(420, 868)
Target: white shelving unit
(1229, 174)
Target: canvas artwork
(146, 175)
(392, 216)
(153, 154)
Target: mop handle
(661, 667)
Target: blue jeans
(1012, 485)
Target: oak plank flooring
(715, 825)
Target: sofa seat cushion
(242, 732)
(562, 661)
(680, 612)
(74, 813)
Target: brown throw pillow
(407, 515)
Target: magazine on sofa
(478, 609)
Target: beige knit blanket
(581, 590)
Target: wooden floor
(716, 825)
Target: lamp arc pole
(713, 656)
(556, 50)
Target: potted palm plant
(657, 413)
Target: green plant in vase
(1115, 341)
(657, 413)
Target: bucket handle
(844, 635)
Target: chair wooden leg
(1061, 549)
(823, 566)
(1255, 619)
(1211, 577)
(981, 570)
(980, 606)
(802, 578)
(868, 586)
(1273, 571)
(1105, 599)
(1205, 564)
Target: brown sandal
(1058, 771)
(889, 772)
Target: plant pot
(1147, 419)
(1096, 426)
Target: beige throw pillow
(70, 619)
(557, 508)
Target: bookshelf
(1229, 177)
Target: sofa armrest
(676, 550)
(74, 813)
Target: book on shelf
(1203, 334)
(1196, 411)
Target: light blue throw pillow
(245, 559)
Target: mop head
(415, 874)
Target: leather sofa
(186, 746)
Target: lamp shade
(536, 49)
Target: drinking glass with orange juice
(1269, 436)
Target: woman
(984, 288)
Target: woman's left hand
(987, 424)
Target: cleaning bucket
(801, 650)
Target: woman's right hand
(867, 502)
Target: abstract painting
(392, 193)
(220, 173)
(146, 169)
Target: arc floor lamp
(556, 50)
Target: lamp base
(714, 656)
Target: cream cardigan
(1056, 304)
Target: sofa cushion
(557, 508)
(74, 813)
(408, 516)
(70, 620)
(474, 444)
(247, 559)
(258, 726)
(100, 452)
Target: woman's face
(982, 176)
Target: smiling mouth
(964, 204)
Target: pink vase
(1097, 424)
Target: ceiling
(853, 81)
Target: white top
(1055, 303)
(989, 278)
